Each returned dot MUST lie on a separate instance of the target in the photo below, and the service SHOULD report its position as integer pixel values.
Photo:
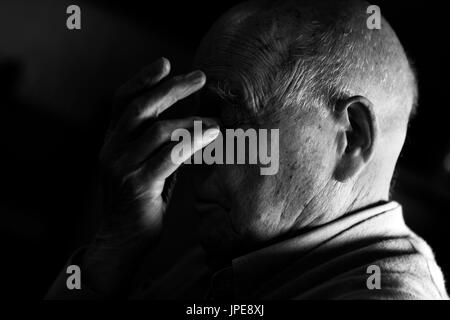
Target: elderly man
(322, 227)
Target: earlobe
(358, 136)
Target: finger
(162, 132)
(165, 163)
(161, 98)
(145, 79)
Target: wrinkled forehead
(240, 60)
(253, 43)
(231, 111)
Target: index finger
(145, 79)
(158, 100)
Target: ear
(357, 136)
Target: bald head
(267, 55)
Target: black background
(56, 87)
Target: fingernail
(196, 76)
(165, 63)
(211, 134)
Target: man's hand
(135, 163)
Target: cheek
(242, 184)
(305, 166)
(252, 199)
(308, 149)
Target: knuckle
(176, 79)
(137, 108)
(137, 105)
(173, 90)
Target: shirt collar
(252, 269)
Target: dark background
(56, 87)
